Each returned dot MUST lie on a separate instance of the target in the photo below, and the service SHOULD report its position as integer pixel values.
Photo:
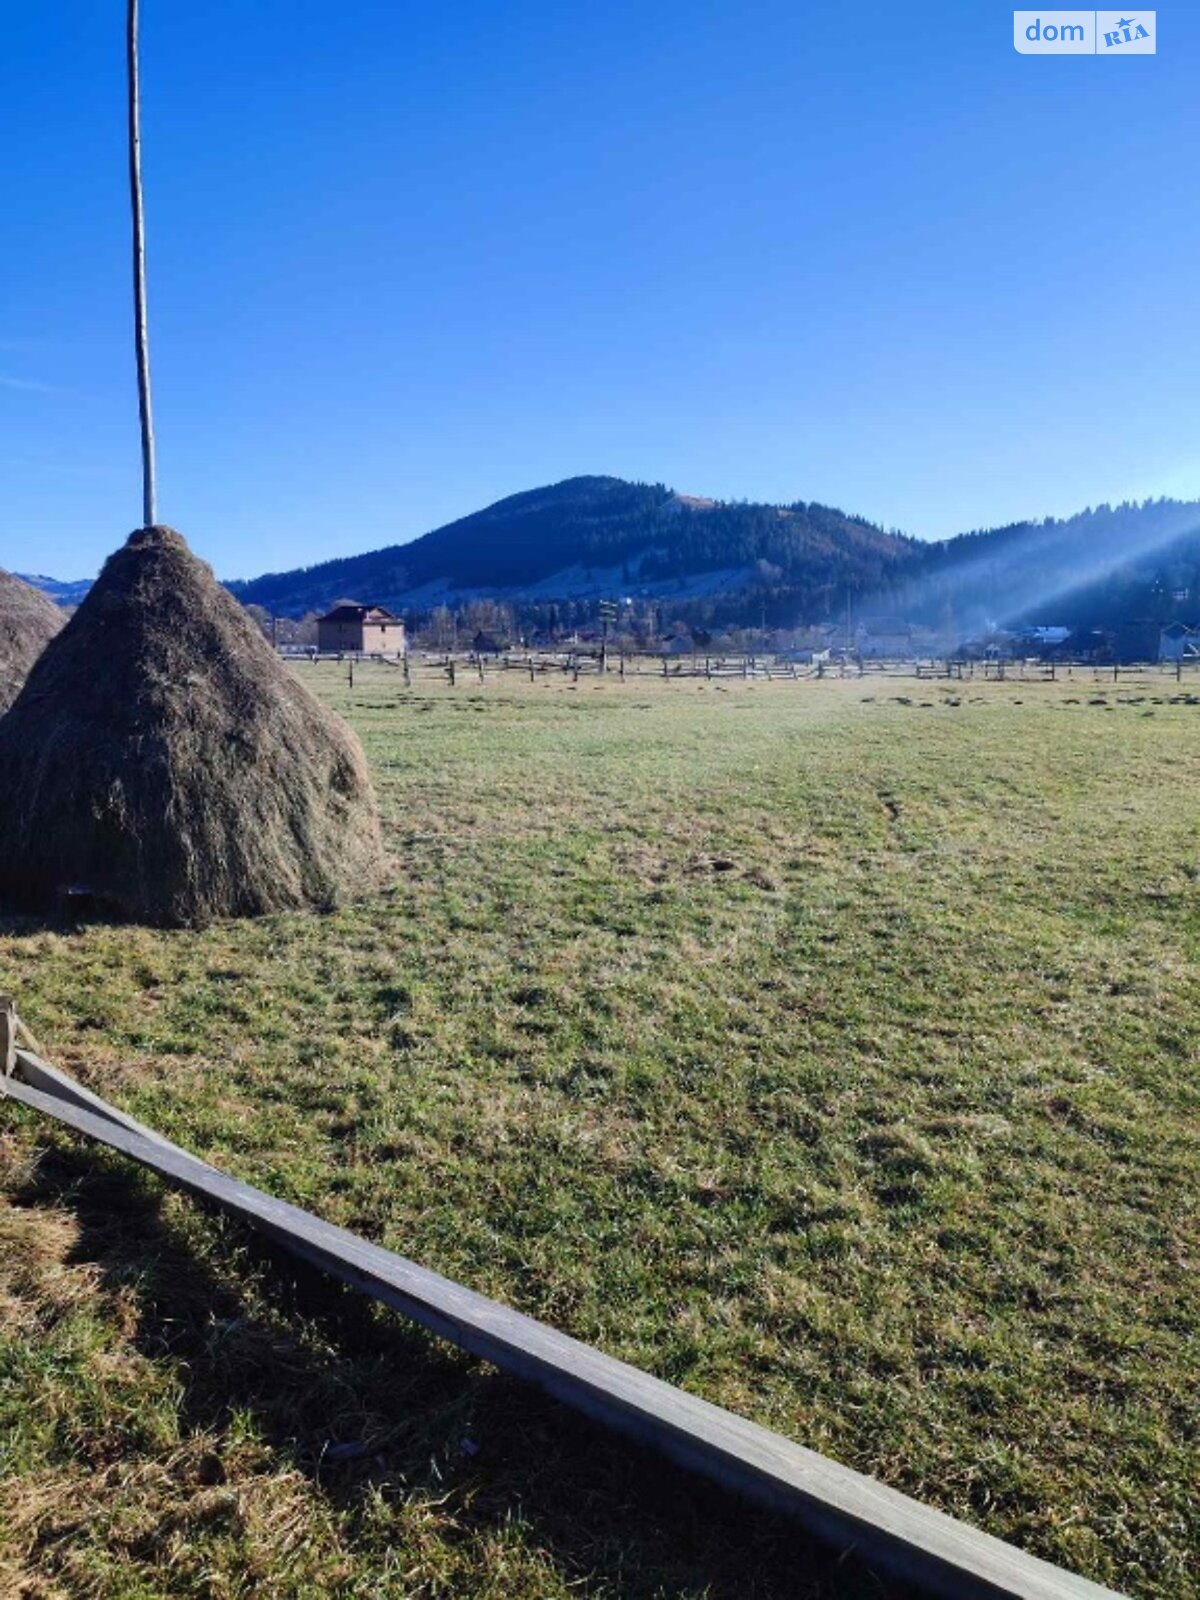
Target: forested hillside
(1106, 567)
(603, 537)
(552, 554)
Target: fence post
(8, 1035)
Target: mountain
(554, 553)
(69, 593)
(601, 538)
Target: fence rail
(468, 667)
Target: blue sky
(405, 260)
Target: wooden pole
(140, 334)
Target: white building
(1178, 642)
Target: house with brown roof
(360, 630)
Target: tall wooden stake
(141, 338)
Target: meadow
(826, 1048)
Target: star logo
(1126, 22)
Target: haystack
(161, 756)
(28, 621)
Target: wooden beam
(48, 1080)
(889, 1530)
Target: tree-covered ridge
(1106, 567)
(554, 552)
(642, 534)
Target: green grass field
(827, 1048)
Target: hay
(28, 621)
(162, 756)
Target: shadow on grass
(26, 924)
(24, 921)
(364, 1404)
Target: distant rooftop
(356, 613)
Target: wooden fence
(466, 667)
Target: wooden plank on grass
(40, 1075)
(889, 1530)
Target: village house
(360, 630)
(1043, 640)
(883, 638)
(1178, 642)
(680, 643)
